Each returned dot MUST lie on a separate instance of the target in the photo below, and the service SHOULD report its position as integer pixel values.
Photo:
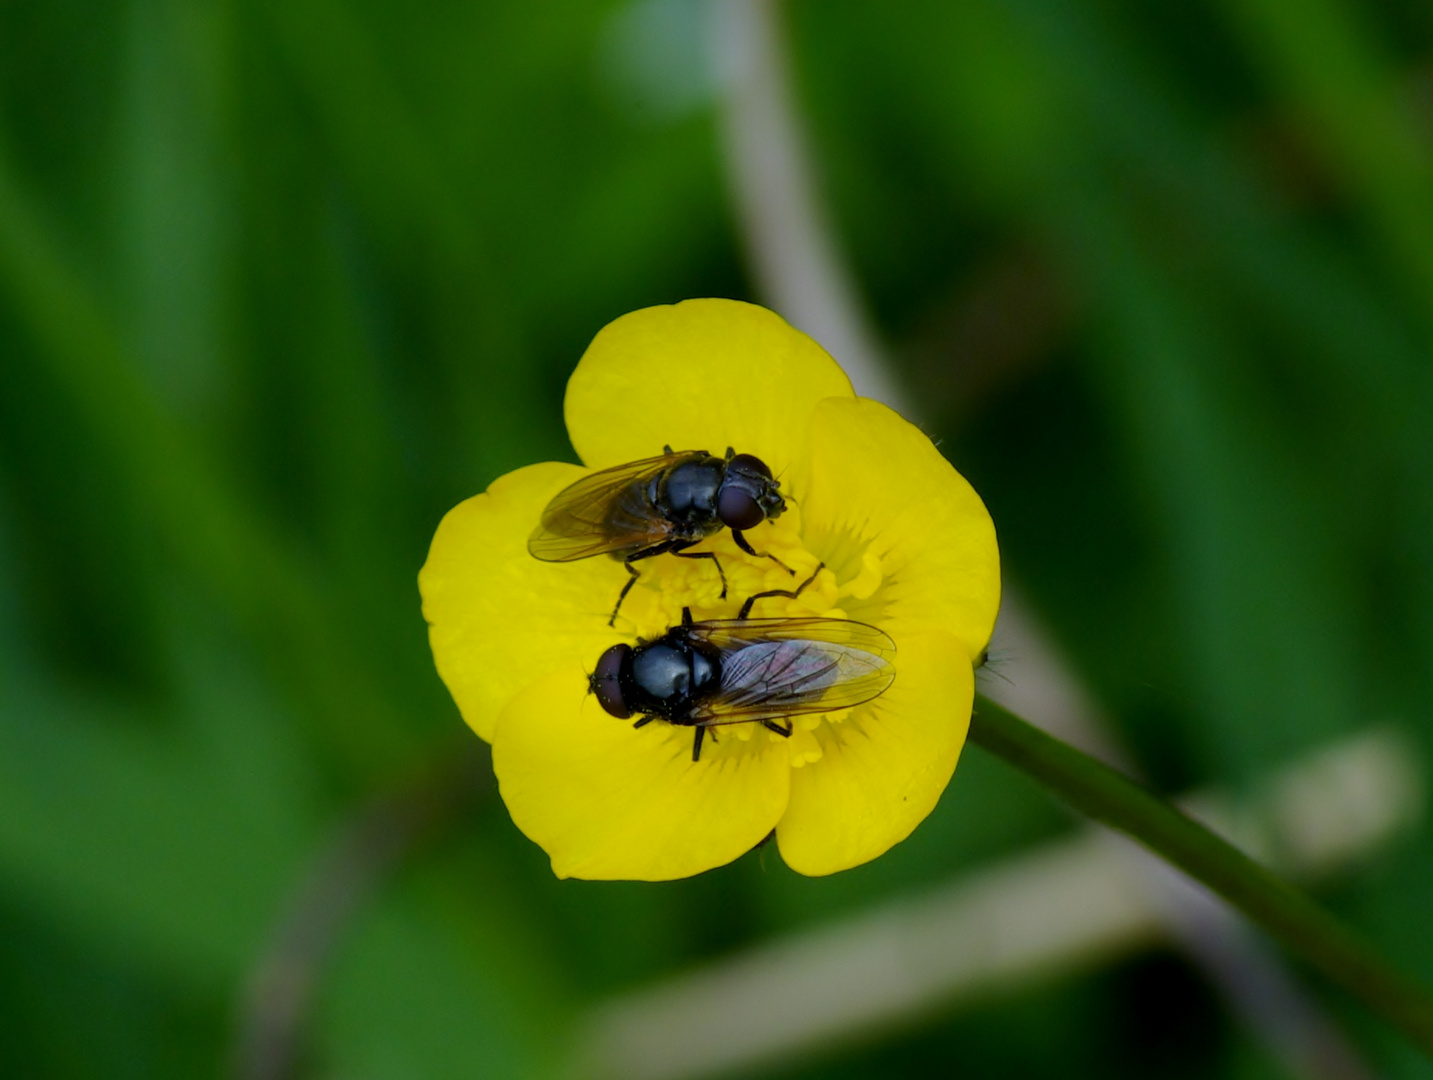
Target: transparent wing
(772, 668)
(604, 513)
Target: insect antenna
(779, 477)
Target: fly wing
(772, 668)
(605, 513)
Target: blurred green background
(281, 282)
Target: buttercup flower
(907, 545)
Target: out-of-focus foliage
(281, 282)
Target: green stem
(1293, 918)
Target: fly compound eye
(749, 464)
(603, 682)
(738, 510)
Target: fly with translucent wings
(708, 674)
(657, 506)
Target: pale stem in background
(799, 270)
(791, 252)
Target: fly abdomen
(687, 495)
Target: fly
(734, 671)
(658, 505)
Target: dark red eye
(603, 682)
(749, 464)
(738, 510)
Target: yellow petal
(607, 801)
(498, 618)
(878, 491)
(699, 375)
(883, 767)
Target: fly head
(748, 494)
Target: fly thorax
(687, 495)
(662, 679)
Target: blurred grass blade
(197, 514)
(1325, 56)
(170, 839)
(409, 191)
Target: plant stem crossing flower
(907, 546)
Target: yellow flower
(907, 545)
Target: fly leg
(623, 594)
(700, 732)
(705, 555)
(745, 546)
(643, 721)
(772, 725)
(791, 594)
(645, 553)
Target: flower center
(848, 585)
